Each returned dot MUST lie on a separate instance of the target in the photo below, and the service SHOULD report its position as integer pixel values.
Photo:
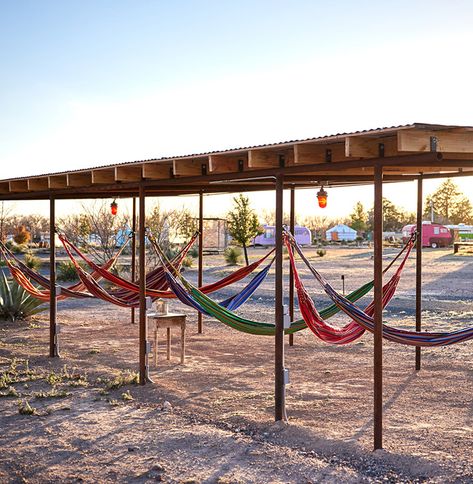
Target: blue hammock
(231, 303)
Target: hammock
(190, 295)
(22, 274)
(316, 323)
(366, 321)
(129, 291)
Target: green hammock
(259, 328)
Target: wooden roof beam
(81, 179)
(57, 181)
(18, 186)
(4, 187)
(38, 184)
(450, 141)
(129, 173)
(190, 167)
(103, 177)
(156, 171)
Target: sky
(86, 83)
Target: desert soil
(211, 419)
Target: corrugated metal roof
(324, 138)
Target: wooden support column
(201, 257)
(378, 307)
(133, 251)
(53, 338)
(419, 268)
(279, 390)
(144, 370)
(292, 224)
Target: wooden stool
(168, 321)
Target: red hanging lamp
(114, 207)
(322, 196)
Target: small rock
(167, 407)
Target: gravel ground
(211, 420)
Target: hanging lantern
(322, 197)
(114, 207)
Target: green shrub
(321, 252)
(32, 261)
(15, 302)
(187, 262)
(233, 255)
(19, 248)
(66, 271)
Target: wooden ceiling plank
(191, 167)
(38, 184)
(57, 181)
(415, 140)
(306, 153)
(18, 186)
(129, 173)
(227, 164)
(369, 147)
(103, 176)
(263, 159)
(77, 180)
(156, 171)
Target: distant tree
(5, 212)
(76, 228)
(394, 218)
(448, 204)
(22, 235)
(359, 218)
(243, 224)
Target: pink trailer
(433, 235)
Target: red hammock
(128, 294)
(351, 331)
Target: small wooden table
(168, 321)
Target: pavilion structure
(412, 152)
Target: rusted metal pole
(201, 258)
(279, 390)
(419, 268)
(144, 373)
(292, 224)
(378, 307)
(133, 251)
(53, 334)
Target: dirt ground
(211, 419)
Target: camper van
(302, 234)
(433, 235)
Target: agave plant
(15, 302)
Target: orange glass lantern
(114, 207)
(322, 197)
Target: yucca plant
(15, 302)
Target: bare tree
(5, 216)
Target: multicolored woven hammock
(316, 323)
(366, 321)
(191, 296)
(24, 275)
(128, 294)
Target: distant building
(341, 232)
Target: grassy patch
(24, 408)
(122, 379)
(53, 393)
(127, 396)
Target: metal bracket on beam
(433, 143)
(282, 161)
(328, 155)
(204, 169)
(241, 165)
(381, 150)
